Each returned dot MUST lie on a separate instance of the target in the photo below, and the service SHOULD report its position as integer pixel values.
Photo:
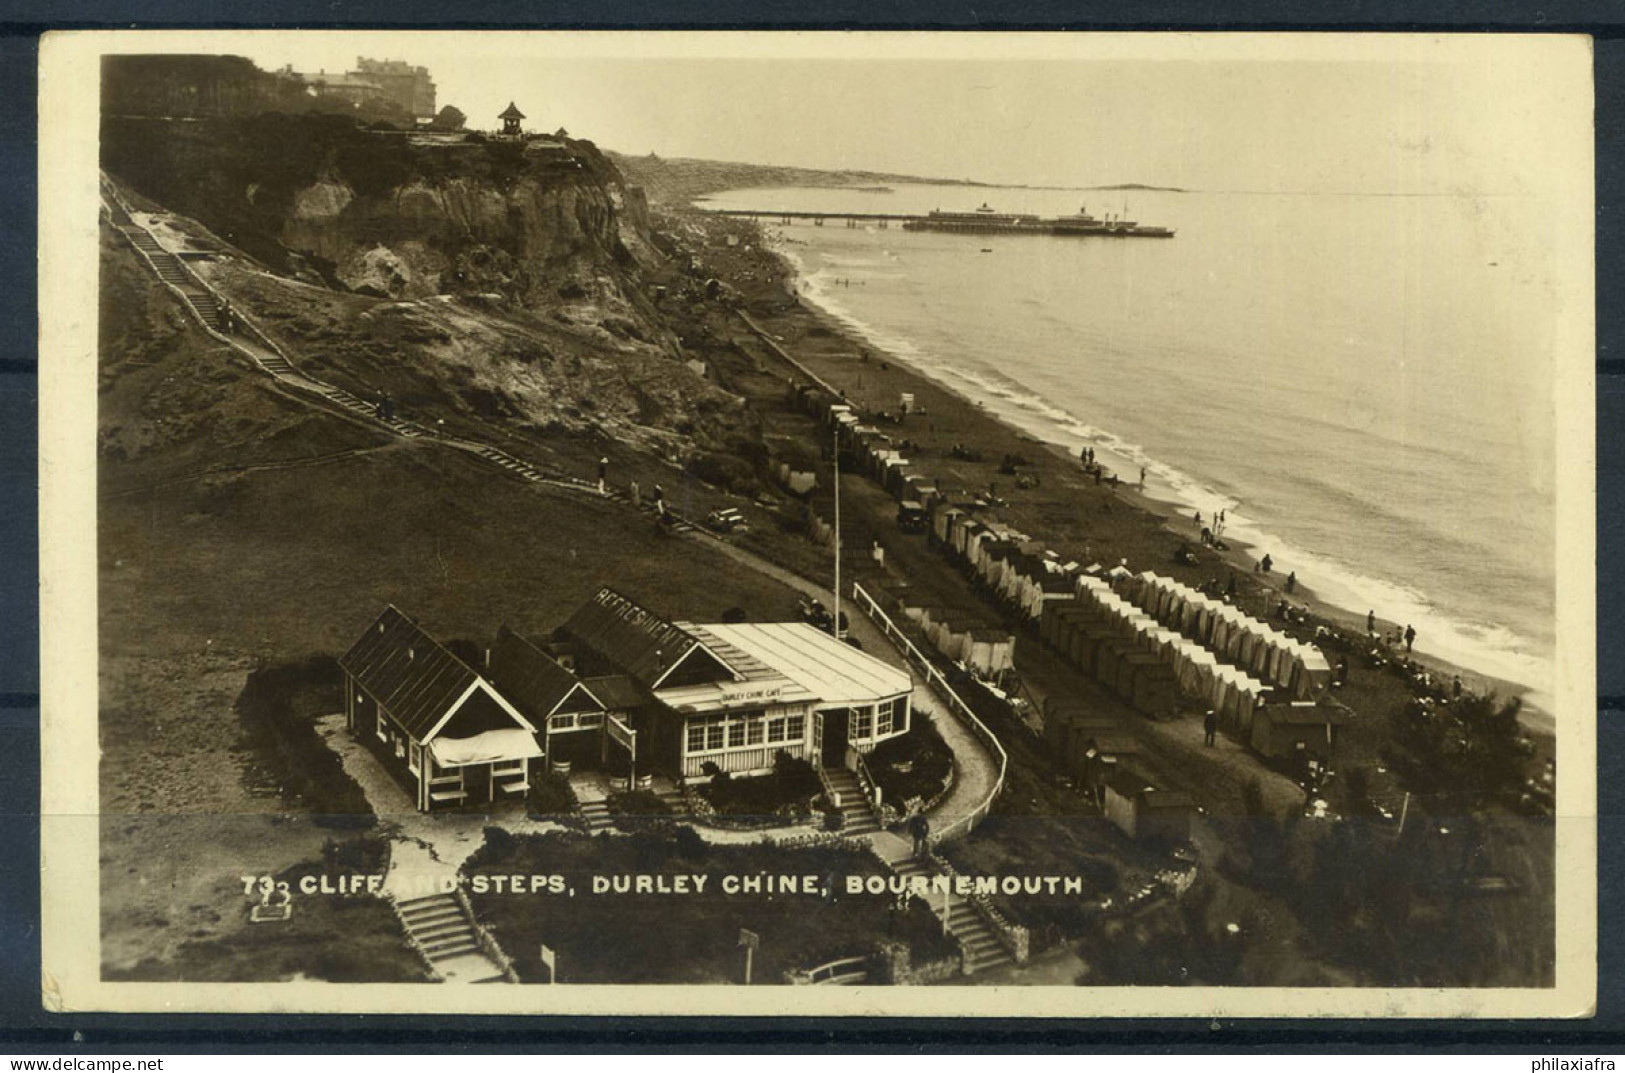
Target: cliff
(474, 279)
(394, 214)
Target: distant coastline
(1140, 186)
(676, 181)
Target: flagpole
(835, 624)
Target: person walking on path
(603, 472)
(919, 828)
(637, 497)
(1410, 638)
(1210, 728)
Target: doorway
(836, 729)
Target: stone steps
(596, 813)
(444, 932)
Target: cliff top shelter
(511, 118)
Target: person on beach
(1410, 638)
(1455, 688)
(637, 498)
(1198, 519)
(1291, 582)
(660, 501)
(1142, 477)
(1266, 562)
(1210, 728)
(603, 472)
(1371, 622)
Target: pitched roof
(407, 672)
(631, 637)
(617, 692)
(531, 678)
(511, 112)
(824, 668)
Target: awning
(515, 743)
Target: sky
(1411, 115)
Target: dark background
(25, 1028)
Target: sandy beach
(1065, 508)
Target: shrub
(277, 707)
(499, 845)
(916, 765)
(550, 797)
(725, 471)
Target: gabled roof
(617, 692)
(534, 680)
(634, 639)
(407, 672)
(511, 112)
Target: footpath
(428, 852)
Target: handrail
(838, 969)
(866, 781)
(935, 679)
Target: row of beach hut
(1233, 636)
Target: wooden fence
(955, 703)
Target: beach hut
(1141, 810)
(1281, 730)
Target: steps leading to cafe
(596, 813)
(983, 950)
(860, 815)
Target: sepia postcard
(801, 524)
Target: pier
(983, 221)
(884, 219)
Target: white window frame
(588, 720)
(886, 717)
(565, 721)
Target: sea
(1362, 383)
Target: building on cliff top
(511, 118)
(198, 87)
(619, 684)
